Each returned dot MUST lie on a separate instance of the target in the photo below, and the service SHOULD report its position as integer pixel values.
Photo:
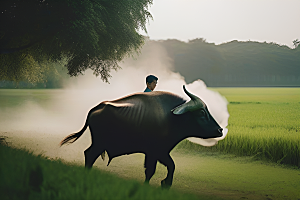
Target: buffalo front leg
(169, 163)
(91, 154)
(150, 165)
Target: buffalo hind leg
(169, 163)
(150, 165)
(91, 154)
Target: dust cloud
(41, 127)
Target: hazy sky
(220, 21)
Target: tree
(198, 41)
(90, 34)
(296, 43)
(51, 75)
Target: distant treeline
(235, 63)
(231, 64)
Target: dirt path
(221, 177)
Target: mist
(67, 109)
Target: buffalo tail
(74, 136)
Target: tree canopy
(89, 34)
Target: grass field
(263, 123)
(25, 176)
(209, 175)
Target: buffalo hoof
(165, 184)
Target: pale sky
(220, 21)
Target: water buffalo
(152, 123)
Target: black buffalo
(152, 123)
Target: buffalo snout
(220, 131)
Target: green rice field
(263, 123)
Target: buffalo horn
(193, 97)
(194, 104)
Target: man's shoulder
(147, 90)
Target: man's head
(151, 82)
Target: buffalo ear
(179, 109)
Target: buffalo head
(201, 123)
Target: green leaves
(94, 34)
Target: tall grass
(264, 123)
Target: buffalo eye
(202, 112)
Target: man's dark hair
(151, 78)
